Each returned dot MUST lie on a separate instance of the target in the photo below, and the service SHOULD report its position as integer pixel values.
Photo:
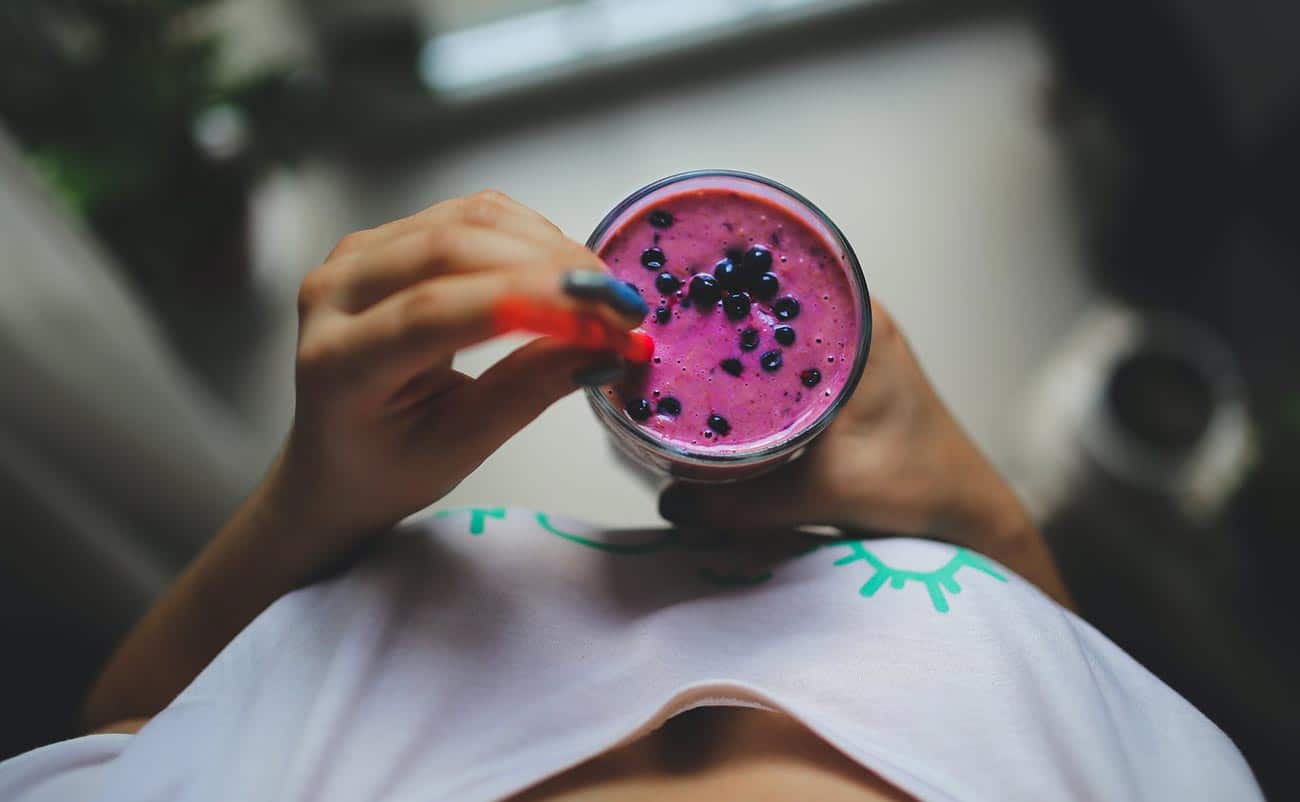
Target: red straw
(519, 313)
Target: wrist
(294, 513)
(983, 511)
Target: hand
(893, 461)
(383, 425)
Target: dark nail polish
(593, 285)
(598, 375)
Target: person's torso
(496, 648)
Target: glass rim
(597, 397)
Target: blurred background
(1084, 212)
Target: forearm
(986, 515)
(268, 548)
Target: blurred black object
(1183, 121)
(122, 107)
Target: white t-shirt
(492, 648)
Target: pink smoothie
(753, 353)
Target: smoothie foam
(755, 352)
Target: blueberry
(719, 424)
(786, 309)
(670, 406)
(705, 290)
(663, 315)
(771, 361)
(638, 409)
(728, 275)
(732, 366)
(660, 219)
(765, 286)
(784, 335)
(756, 261)
(736, 305)
(749, 339)
(667, 283)
(653, 259)
(735, 255)
(811, 377)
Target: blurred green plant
(122, 107)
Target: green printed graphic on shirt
(939, 583)
(936, 581)
(477, 516)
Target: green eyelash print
(936, 581)
(477, 516)
(939, 583)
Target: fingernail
(598, 375)
(594, 285)
(677, 504)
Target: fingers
(786, 497)
(425, 325)
(514, 391)
(482, 232)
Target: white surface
(462, 666)
(928, 151)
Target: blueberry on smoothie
(719, 424)
(756, 261)
(660, 219)
(653, 259)
(732, 366)
(638, 409)
(670, 406)
(786, 309)
(766, 286)
(667, 283)
(749, 339)
(705, 290)
(811, 377)
(771, 361)
(784, 335)
(663, 315)
(728, 275)
(736, 305)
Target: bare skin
(384, 427)
(716, 753)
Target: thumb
(514, 391)
(784, 498)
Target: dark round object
(1161, 399)
(786, 309)
(663, 314)
(728, 275)
(811, 377)
(736, 305)
(719, 424)
(653, 259)
(771, 361)
(784, 335)
(705, 290)
(749, 339)
(765, 286)
(756, 261)
(638, 409)
(670, 406)
(732, 366)
(667, 283)
(660, 219)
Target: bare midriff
(720, 753)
